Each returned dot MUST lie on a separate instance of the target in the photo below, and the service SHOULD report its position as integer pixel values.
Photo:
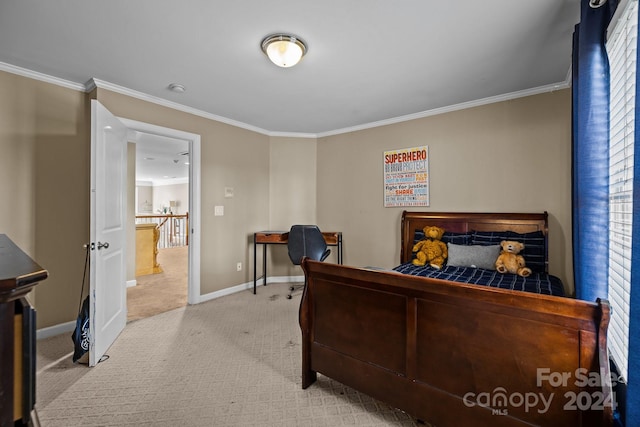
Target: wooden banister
(173, 228)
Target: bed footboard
(454, 354)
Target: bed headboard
(461, 222)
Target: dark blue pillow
(447, 237)
(457, 238)
(534, 245)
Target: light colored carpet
(233, 361)
(157, 293)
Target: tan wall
(292, 182)
(145, 195)
(131, 211)
(44, 166)
(512, 156)
(44, 141)
(292, 195)
(45, 146)
(230, 157)
(18, 132)
(163, 194)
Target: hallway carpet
(157, 293)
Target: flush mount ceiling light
(284, 50)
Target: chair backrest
(306, 241)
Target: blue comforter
(539, 283)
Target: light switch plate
(218, 211)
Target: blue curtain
(632, 404)
(590, 171)
(590, 129)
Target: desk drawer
(275, 237)
(330, 238)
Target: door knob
(103, 245)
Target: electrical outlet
(239, 266)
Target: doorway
(169, 196)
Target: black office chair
(306, 241)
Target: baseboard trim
(248, 286)
(52, 331)
(284, 279)
(131, 283)
(35, 421)
(222, 292)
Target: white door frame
(194, 196)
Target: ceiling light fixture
(284, 50)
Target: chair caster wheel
(292, 288)
(288, 296)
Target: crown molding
(169, 181)
(162, 182)
(451, 108)
(40, 76)
(94, 83)
(293, 135)
(97, 83)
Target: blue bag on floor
(81, 336)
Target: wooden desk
(18, 275)
(333, 238)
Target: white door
(108, 312)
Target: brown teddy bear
(431, 250)
(509, 261)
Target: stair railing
(173, 228)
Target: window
(621, 49)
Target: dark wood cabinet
(18, 275)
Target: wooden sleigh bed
(454, 354)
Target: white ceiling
(161, 160)
(368, 61)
